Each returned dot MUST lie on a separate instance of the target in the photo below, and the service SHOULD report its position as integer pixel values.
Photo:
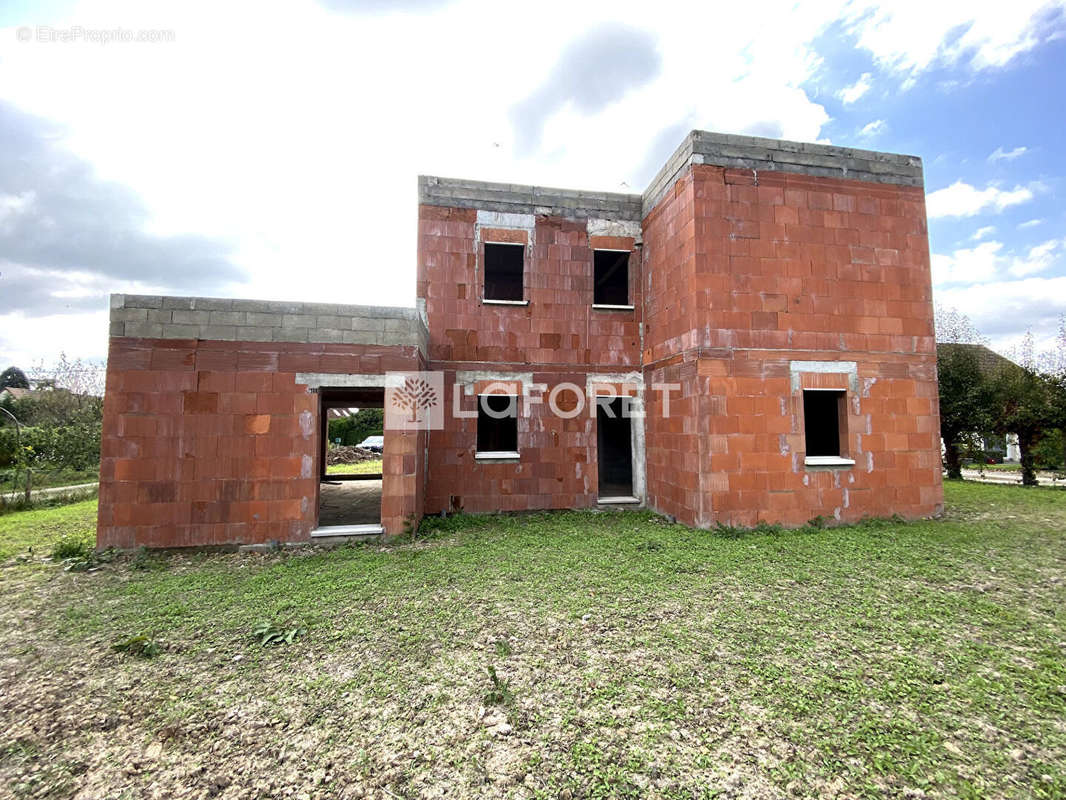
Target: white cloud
(963, 200)
(999, 154)
(849, 94)
(875, 128)
(1031, 223)
(26, 340)
(982, 232)
(1005, 309)
(910, 36)
(1038, 259)
(967, 265)
(988, 262)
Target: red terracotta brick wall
(559, 326)
(559, 335)
(670, 299)
(674, 446)
(211, 443)
(557, 468)
(787, 267)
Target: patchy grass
(362, 468)
(556, 655)
(34, 534)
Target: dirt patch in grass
(631, 659)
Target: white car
(373, 443)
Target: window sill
(497, 455)
(609, 307)
(488, 302)
(828, 461)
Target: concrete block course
(257, 320)
(772, 155)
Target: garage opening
(352, 454)
(614, 443)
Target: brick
(200, 402)
(257, 424)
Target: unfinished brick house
(749, 340)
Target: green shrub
(352, 430)
(71, 547)
(67, 447)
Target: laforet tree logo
(415, 397)
(414, 400)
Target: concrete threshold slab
(347, 531)
(622, 500)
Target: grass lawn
(10, 480)
(362, 468)
(33, 533)
(632, 658)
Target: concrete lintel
(501, 219)
(615, 227)
(849, 368)
(629, 378)
(331, 380)
(469, 378)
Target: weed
(500, 694)
(139, 646)
(268, 633)
(728, 531)
(503, 648)
(71, 547)
(141, 559)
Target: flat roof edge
(527, 199)
(781, 155)
(190, 303)
(238, 320)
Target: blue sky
(271, 150)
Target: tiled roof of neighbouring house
(989, 360)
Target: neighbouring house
(750, 339)
(15, 393)
(990, 363)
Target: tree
(954, 327)
(965, 401)
(355, 428)
(1024, 404)
(70, 392)
(13, 378)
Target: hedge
(68, 446)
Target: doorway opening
(350, 474)
(614, 445)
